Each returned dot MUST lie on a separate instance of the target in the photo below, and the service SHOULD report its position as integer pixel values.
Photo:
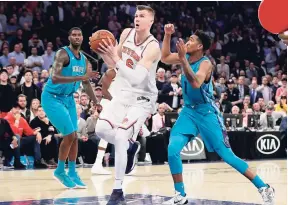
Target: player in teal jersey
(200, 115)
(68, 71)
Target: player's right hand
(169, 29)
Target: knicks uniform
(132, 105)
(57, 99)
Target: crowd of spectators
(250, 75)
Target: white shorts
(126, 116)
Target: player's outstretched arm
(106, 82)
(86, 84)
(167, 56)
(195, 79)
(62, 58)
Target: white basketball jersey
(131, 55)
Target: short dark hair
(16, 105)
(147, 8)
(28, 71)
(204, 39)
(74, 29)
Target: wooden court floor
(206, 183)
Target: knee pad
(102, 127)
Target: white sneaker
(177, 200)
(99, 170)
(268, 195)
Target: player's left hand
(181, 48)
(109, 49)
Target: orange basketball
(98, 36)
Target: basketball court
(206, 183)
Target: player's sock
(118, 184)
(99, 158)
(61, 166)
(180, 188)
(257, 181)
(71, 167)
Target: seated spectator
(172, 92)
(25, 112)
(262, 104)
(235, 110)
(248, 112)
(243, 89)
(34, 108)
(7, 138)
(257, 109)
(220, 87)
(254, 94)
(7, 94)
(81, 132)
(270, 117)
(282, 90)
(35, 62)
(282, 106)
(233, 93)
(159, 120)
(49, 145)
(32, 137)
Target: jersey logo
(78, 69)
(131, 53)
(129, 63)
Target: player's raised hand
(181, 48)
(169, 29)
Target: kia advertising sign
(194, 150)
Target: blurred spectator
(35, 62)
(4, 59)
(254, 94)
(19, 56)
(233, 93)
(29, 89)
(223, 68)
(265, 90)
(49, 146)
(7, 94)
(235, 110)
(48, 58)
(269, 118)
(221, 87)
(225, 103)
(282, 90)
(34, 108)
(243, 89)
(159, 120)
(248, 112)
(172, 92)
(282, 106)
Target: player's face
(143, 20)
(193, 44)
(76, 38)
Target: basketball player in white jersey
(136, 59)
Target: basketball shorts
(61, 111)
(201, 119)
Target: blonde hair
(147, 8)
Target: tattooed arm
(62, 58)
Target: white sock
(118, 184)
(101, 153)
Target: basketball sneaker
(178, 199)
(98, 169)
(64, 179)
(268, 195)
(117, 198)
(76, 179)
(132, 156)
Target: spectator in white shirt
(265, 90)
(34, 61)
(158, 120)
(48, 58)
(223, 67)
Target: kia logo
(268, 144)
(193, 148)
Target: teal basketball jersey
(195, 96)
(75, 67)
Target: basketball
(98, 36)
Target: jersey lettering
(131, 53)
(129, 63)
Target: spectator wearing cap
(254, 94)
(13, 82)
(282, 90)
(172, 92)
(28, 88)
(233, 93)
(4, 59)
(7, 94)
(98, 94)
(272, 115)
(265, 90)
